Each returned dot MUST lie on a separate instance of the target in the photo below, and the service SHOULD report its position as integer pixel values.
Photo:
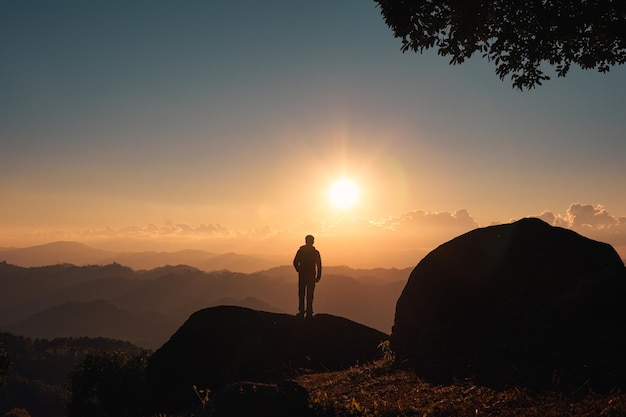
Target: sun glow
(343, 193)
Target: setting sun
(343, 193)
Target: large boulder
(222, 345)
(521, 303)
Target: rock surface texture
(223, 345)
(522, 303)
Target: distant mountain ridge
(97, 318)
(378, 276)
(75, 253)
(61, 252)
(30, 297)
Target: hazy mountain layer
(146, 306)
(79, 254)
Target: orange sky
(221, 125)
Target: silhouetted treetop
(517, 36)
(5, 362)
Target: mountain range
(80, 254)
(146, 306)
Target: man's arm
(319, 267)
(296, 261)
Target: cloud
(394, 241)
(421, 227)
(417, 219)
(154, 231)
(586, 215)
(592, 221)
(398, 241)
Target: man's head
(309, 239)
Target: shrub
(108, 384)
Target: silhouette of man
(308, 263)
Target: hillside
(143, 306)
(98, 318)
(377, 390)
(372, 389)
(244, 355)
(38, 376)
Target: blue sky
(224, 123)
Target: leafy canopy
(517, 36)
(5, 363)
(108, 384)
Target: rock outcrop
(222, 345)
(520, 303)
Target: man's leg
(310, 289)
(301, 291)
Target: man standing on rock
(308, 263)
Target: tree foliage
(37, 379)
(5, 362)
(517, 36)
(17, 412)
(108, 384)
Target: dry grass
(377, 390)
